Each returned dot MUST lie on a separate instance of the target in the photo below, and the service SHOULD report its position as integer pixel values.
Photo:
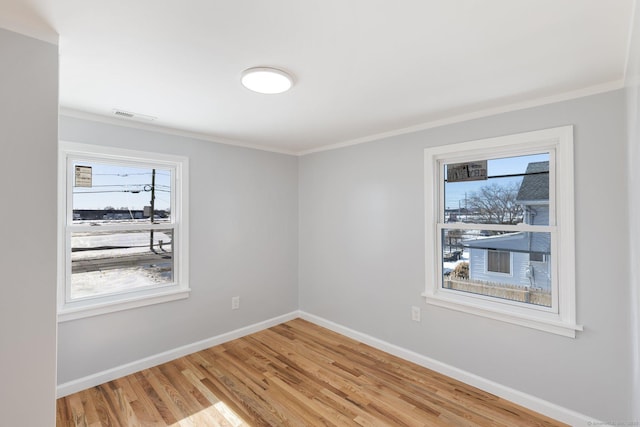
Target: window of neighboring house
(123, 229)
(499, 217)
(499, 261)
(537, 257)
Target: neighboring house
(518, 258)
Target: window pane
(516, 190)
(116, 193)
(511, 266)
(498, 261)
(537, 257)
(115, 261)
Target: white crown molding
(565, 96)
(132, 123)
(487, 112)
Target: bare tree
(496, 204)
(453, 236)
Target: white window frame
(560, 318)
(101, 304)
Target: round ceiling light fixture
(266, 80)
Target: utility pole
(153, 208)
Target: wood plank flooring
(293, 374)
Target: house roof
(535, 184)
(513, 242)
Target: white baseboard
(531, 402)
(151, 361)
(536, 404)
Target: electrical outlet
(415, 313)
(235, 303)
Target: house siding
(541, 216)
(478, 268)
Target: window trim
(558, 142)
(108, 303)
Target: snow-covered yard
(448, 266)
(109, 262)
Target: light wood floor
(294, 374)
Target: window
(537, 257)
(498, 261)
(123, 229)
(499, 229)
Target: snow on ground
(101, 282)
(114, 280)
(450, 265)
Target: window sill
(554, 326)
(74, 312)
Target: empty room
(300, 213)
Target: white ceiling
(363, 68)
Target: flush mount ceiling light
(266, 80)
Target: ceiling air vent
(135, 116)
(123, 113)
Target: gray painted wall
(28, 135)
(243, 241)
(362, 258)
(633, 134)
